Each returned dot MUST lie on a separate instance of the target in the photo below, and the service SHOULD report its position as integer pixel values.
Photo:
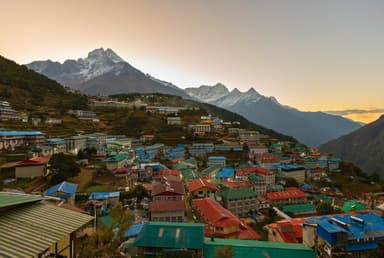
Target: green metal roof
(237, 193)
(210, 170)
(353, 206)
(119, 157)
(304, 207)
(251, 248)
(29, 229)
(10, 199)
(171, 235)
(255, 178)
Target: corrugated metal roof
(28, 230)
(10, 199)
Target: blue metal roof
(134, 230)
(362, 246)
(225, 173)
(216, 158)
(20, 133)
(103, 195)
(62, 190)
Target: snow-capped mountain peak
(208, 93)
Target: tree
(106, 240)
(63, 167)
(291, 182)
(324, 208)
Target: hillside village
(193, 184)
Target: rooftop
(237, 193)
(11, 199)
(200, 183)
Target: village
(230, 192)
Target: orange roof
(200, 183)
(235, 184)
(161, 206)
(290, 192)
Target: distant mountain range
(363, 147)
(310, 128)
(103, 72)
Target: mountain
(363, 147)
(310, 128)
(29, 91)
(208, 93)
(103, 72)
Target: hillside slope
(364, 147)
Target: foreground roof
(171, 235)
(28, 230)
(11, 199)
(251, 248)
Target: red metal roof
(200, 183)
(235, 184)
(215, 214)
(162, 206)
(168, 188)
(33, 161)
(290, 192)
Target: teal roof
(210, 170)
(171, 235)
(237, 193)
(119, 157)
(251, 248)
(304, 207)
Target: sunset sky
(313, 55)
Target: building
(7, 112)
(240, 201)
(170, 239)
(269, 176)
(357, 235)
(249, 136)
(291, 195)
(174, 120)
(97, 141)
(31, 168)
(76, 143)
(201, 129)
(258, 184)
(53, 121)
(225, 174)
(286, 231)
(267, 159)
(210, 172)
(300, 210)
(293, 171)
(65, 190)
(251, 248)
(201, 149)
(84, 115)
(220, 222)
(201, 188)
(217, 160)
(9, 140)
(117, 161)
(228, 148)
(167, 210)
(168, 191)
(257, 149)
(31, 228)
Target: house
(220, 222)
(251, 248)
(269, 176)
(170, 239)
(64, 190)
(31, 168)
(201, 149)
(228, 147)
(110, 199)
(168, 191)
(267, 159)
(346, 235)
(240, 201)
(9, 140)
(167, 210)
(117, 161)
(84, 115)
(173, 120)
(249, 136)
(294, 171)
(286, 231)
(58, 145)
(291, 195)
(31, 228)
(211, 171)
(353, 205)
(53, 121)
(225, 174)
(201, 188)
(217, 160)
(257, 149)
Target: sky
(313, 55)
